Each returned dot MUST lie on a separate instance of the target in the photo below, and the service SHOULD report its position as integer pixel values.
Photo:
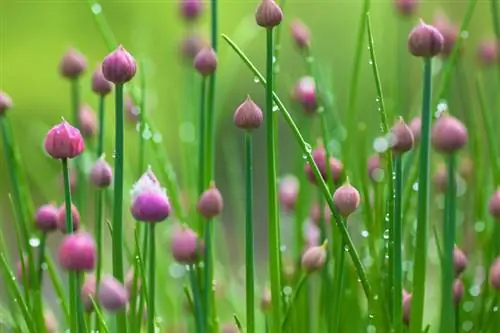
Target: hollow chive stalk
(39, 285)
(80, 175)
(447, 309)
(195, 288)
(417, 305)
(201, 148)
(249, 248)
(288, 313)
(152, 281)
(117, 240)
(339, 282)
(397, 320)
(73, 288)
(306, 150)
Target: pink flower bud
(100, 85)
(73, 64)
(112, 294)
(265, 301)
(314, 258)
(487, 52)
(50, 321)
(248, 115)
(101, 174)
(206, 61)
(458, 291)
(149, 200)
(88, 121)
(494, 205)
(319, 157)
(191, 46)
(346, 199)
(64, 141)
(406, 7)
(315, 214)
(46, 218)
(61, 218)
(425, 41)
(268, 14)
(312, 234)
(449, 31)
(5, 103)
(374, 168)
(495, 274)
(210, 203)
(402, 137)
(191, 9)
(415, 128)
(119, 66)
(300, 34)
(77, 252)
(459, 261)
(305, 94)
(288, 192)
(186, 247)
(448, 134)
(87, 292)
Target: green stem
(339, 279)
(273, 232)
(58, 288)
(447, 309)
(201, 149)
(39, 285)
(152, 266)
(142, 120)
(208, 276)
(398, 243)
(298, 288)
(417, 308)
(306, 151)
(117, 240)
(80, 175)
(249, 255)
(73, 291)
(198, 311)
(82, 324)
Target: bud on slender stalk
(100, 85)
(288, 192)
(425, 41)
(304, 93)
(449, 31)
(494, 205)
(61, 218)
(415, 128)
(119, 66)
(72, 64)
(149, 200)
(248, 115)
(402, 137)
(448, 134)
(300, 34)
(191, 9)
(46, 218)
(458, 291)
(101, 174)
(314, 258)
(186, 247)
(64, 141)
(88, 121)
(112, 294)
(77, 252)
(268, 14)
(210, 203)
(206, 61)
(5, 103)
(346, 199)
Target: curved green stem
(417, 308)
(152, 281)
(249, 255)
(288, 313)
(397, 319)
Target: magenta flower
(64, 141)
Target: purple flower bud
(101, 174)
(494, 205)
(374, 168)
(64, 141)
(448, 134)
(186, 247)
(402, 136)
(406, 7)
(5, 103)
(314, 258)
(487, 52)
(206, 61)
(210, 203)
(191, 46)
(265, 301)
(119, 66)
(112, 294)
(72, 64)
(100, 85)
(46, 218)
(300, 34)
(191, 9)
(77, 252)
(449, 31)
(459, 261)
(346, 199)
(319, 157)
(425, 41)
(268, 14)
(248, 115)
(415, 128)
(495, 274)
(61, 218)
(88, 121)
(149, 200)
(288, 192)
(458, 291)
(304, 93)
(87, 292)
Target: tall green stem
(151, 286)
(73, 288)
(117, 240)
(417, 308)
(273, 232)
(39, 285)
(296, 293)
(249, 255)
(208, 276)
(397, 318)
(448, 305)
(201, 149)
(80, 175)
(339, 280)
(198, 311)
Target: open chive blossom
(119, 66)
(301, 35)
(268, 14)
(72, 64)
(113, 296)
(5, 103)
(185, 246)
(99, 84)
(61, 218)
(46, 218)
(101, 174)
(319, 156)
(77, 252)
(87, 292)
(210, 203)
(425, 41)
(206, 61)
(149, 200)
(88, 121)
(64, 141)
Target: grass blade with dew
(384, 127)
(306, 150)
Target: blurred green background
(35, 34)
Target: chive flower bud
(112, 294)
(100, 85)
(149, 200)
(5, 103)
(72, 64)
(210, 203)
(425, 41)
(448, 134)
(314, 258)
(101, 174)
(268, 14)
(46, 218)
(119, 66)
(206, 61)
(77, 252)
(346, 199)
(61, 218)
(248, 115)
(64, 141)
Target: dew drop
(157, 137)
(34, 242)
(283, 248)
(287, 290)
(370, 62)
(96, 9)
(256, 80)
(275, 108)
(308, 147)
(386, 234)
(364, 234)
(380, 145)
(415, 186)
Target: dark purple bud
(72, 64)
(425, 41)
(46, 218)
(186, 247)
(88, 121)
(112, 294)
(61, 218)
(402, 137)
(210, 203)
(149, 200)
(100, 85)
(191, 9)
(77, 252)
(205, 61)
(119, 66)
(268, 14)
(101, 174)
(346, 199)
(448, 134)
(5, 103)
(64, 141)
(248, 115)
(87, 292)
(300, 34)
